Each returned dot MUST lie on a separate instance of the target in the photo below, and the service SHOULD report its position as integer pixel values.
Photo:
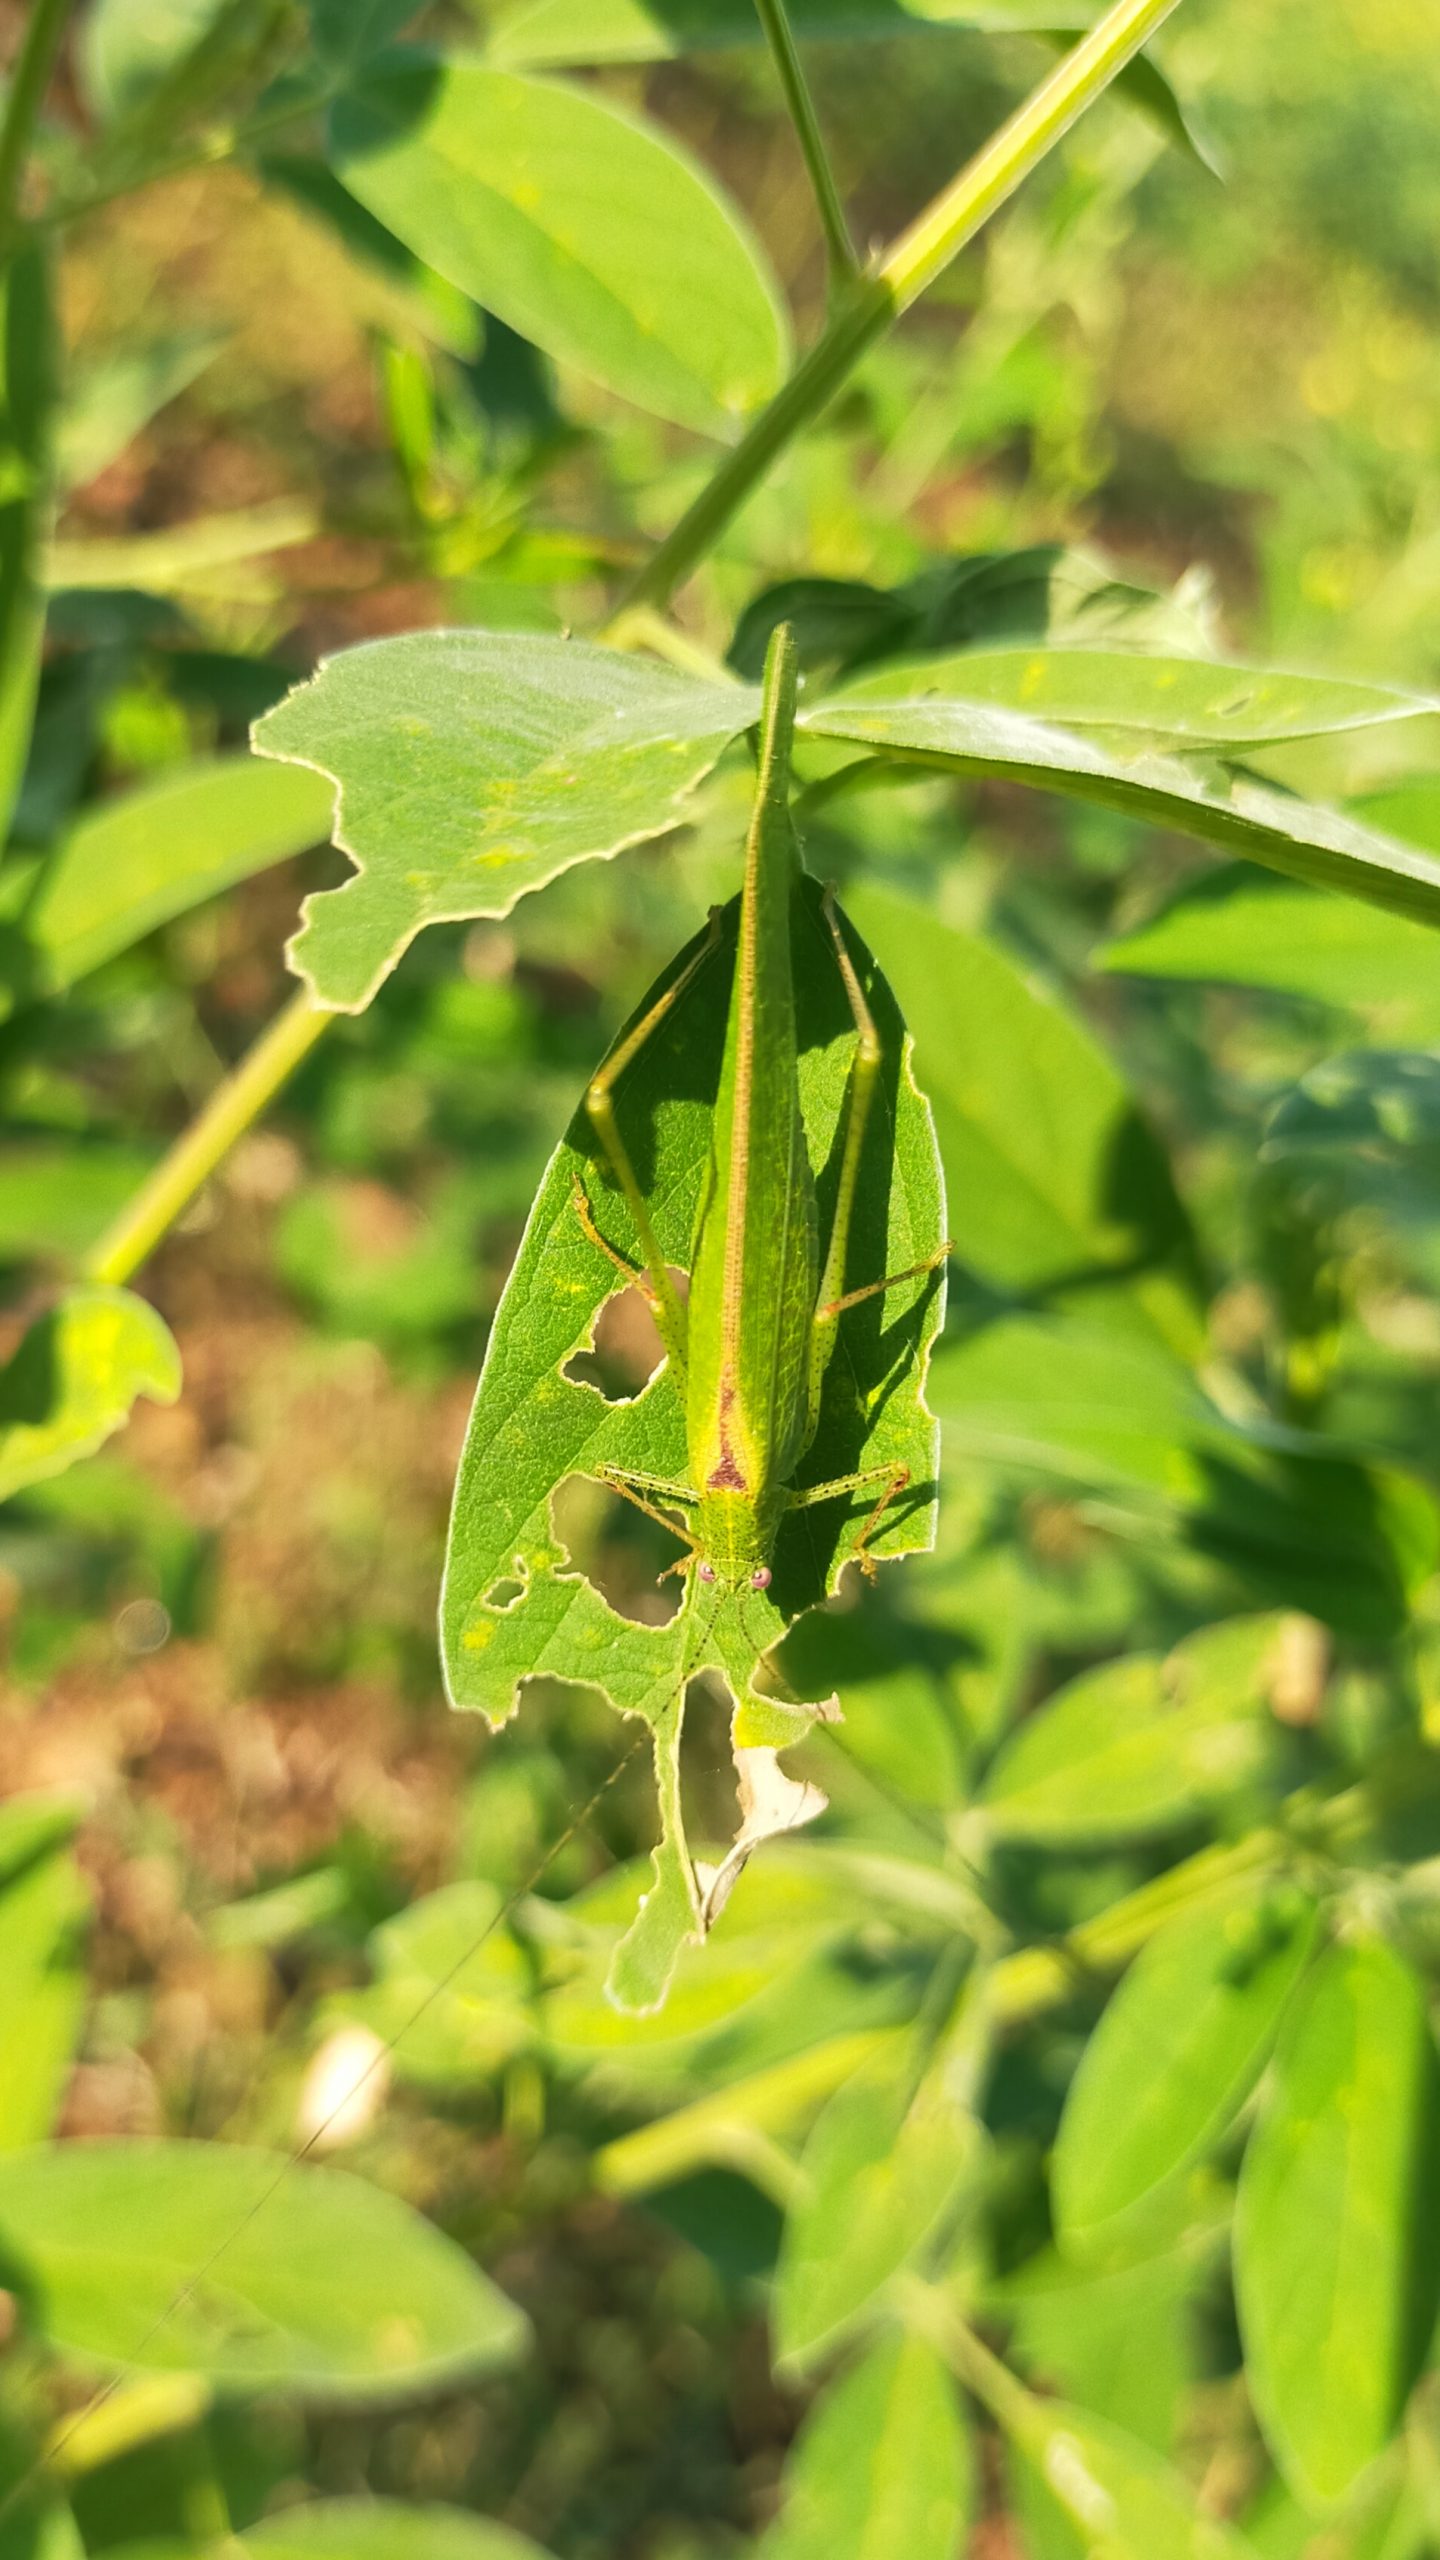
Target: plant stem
(839, 251)
(912, 263)
(872, 303)
(231, 1109)
(38, 48)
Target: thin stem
(27, 87)
(227, 1115)
(914, 261)
(839, 251)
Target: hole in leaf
(625, 1348)
(619, 1550)
(707, 1770)
(505, 1593)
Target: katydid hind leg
(860, 1093)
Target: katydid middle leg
(653, 1276)
(892, 1482)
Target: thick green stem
(843, 263)
(920, 255)
(231, 1110)
(38, 49)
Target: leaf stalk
(230, 1111)
(839, 250)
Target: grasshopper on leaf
(750, 1349)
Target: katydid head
(734, 1541)
(757, 1580)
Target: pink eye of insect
(760, 1578)
(707, 1573)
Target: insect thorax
(735, 1535)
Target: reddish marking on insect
(728, 1477)
(707, 1573)
(760, 1579)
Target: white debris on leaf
(770, 1803)
(344, 2088)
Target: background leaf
(1337, 2245)
(473, 767)
(330, 2286)
(27, 398)
(74, 1379)
(153, 853)
(373, 2529)
(588, 232)
(880, 2168)
(1238, 928)
(881, 2466)
(1058, 1190)
(43, 1989)
(1284, 834)
(1177, 2052)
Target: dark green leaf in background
(43, 1989)
(1240, 929)
(27, 396)
(589, 233)
(1058, 1191)
(1177, 2052)
(1337, 2236)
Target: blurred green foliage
(1167, 1689)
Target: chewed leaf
(472, 766)
(74, 1379)
(514, 1607)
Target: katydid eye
(760, 1578)
(707, 1573)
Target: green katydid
(745, 1111)
(750, 1348)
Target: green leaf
(512, 1608)
(1370, 1106)
(1337, 2251)
(344, 31)
(589, 31)
(128, 47)
(379, 2529)
(1122, 2501)
(107, 405)
(308, 2278)
(1125, 697)
(74, 1378)
(1117, 2339)
(590, 233)
(1240, 929)
(1283, 1518)
(1321, 846)
(474, 766)
(27, 399)
(136, 861)
(881, 2466)
(43, 1989)
(1129, 1750)
(56, 1200)
(1061, 1191)
(878, 2173)
(1177, 2052)
(584, 31)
